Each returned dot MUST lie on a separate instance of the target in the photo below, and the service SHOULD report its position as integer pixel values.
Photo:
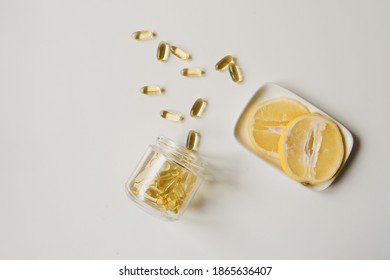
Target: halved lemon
(268, 120)
(311, 149)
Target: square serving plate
(269, 91)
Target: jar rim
(180, 154)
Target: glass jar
(166, 179)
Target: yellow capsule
(179, 191)
(174, 117)
(155, 189)
(224, 62)
(165, 175)
(150, 198)
(152, 193)
(141, 175)
(143, 35)
(235, 73)
(179, 53)
(173, 205)
(161, 201)
(193, 139)
(165, 166)
(198, 107)
(153, 160)
(162, 51)
(190, 183)
(151, 90)
(169, 196)
(170, 186)
(192, 72)
(134, 190)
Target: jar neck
(180, 155)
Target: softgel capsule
(166, 179)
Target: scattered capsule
(192, 72)
(174, 117)
(198, 107)
(235, 73)
(193, 139)
(224, 62)
(162, 51)
(179, 53)
(143, 35)
(151, 90)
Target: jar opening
(181, 155)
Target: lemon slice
(268, 120)
(311, 149)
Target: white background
(73, 127)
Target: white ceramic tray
(269, 91)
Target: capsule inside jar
(165, 181)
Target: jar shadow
(220, 172)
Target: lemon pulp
(311, 149)
(267, 121)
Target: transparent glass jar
(166, 179)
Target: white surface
(270, 91)
(73, 127)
